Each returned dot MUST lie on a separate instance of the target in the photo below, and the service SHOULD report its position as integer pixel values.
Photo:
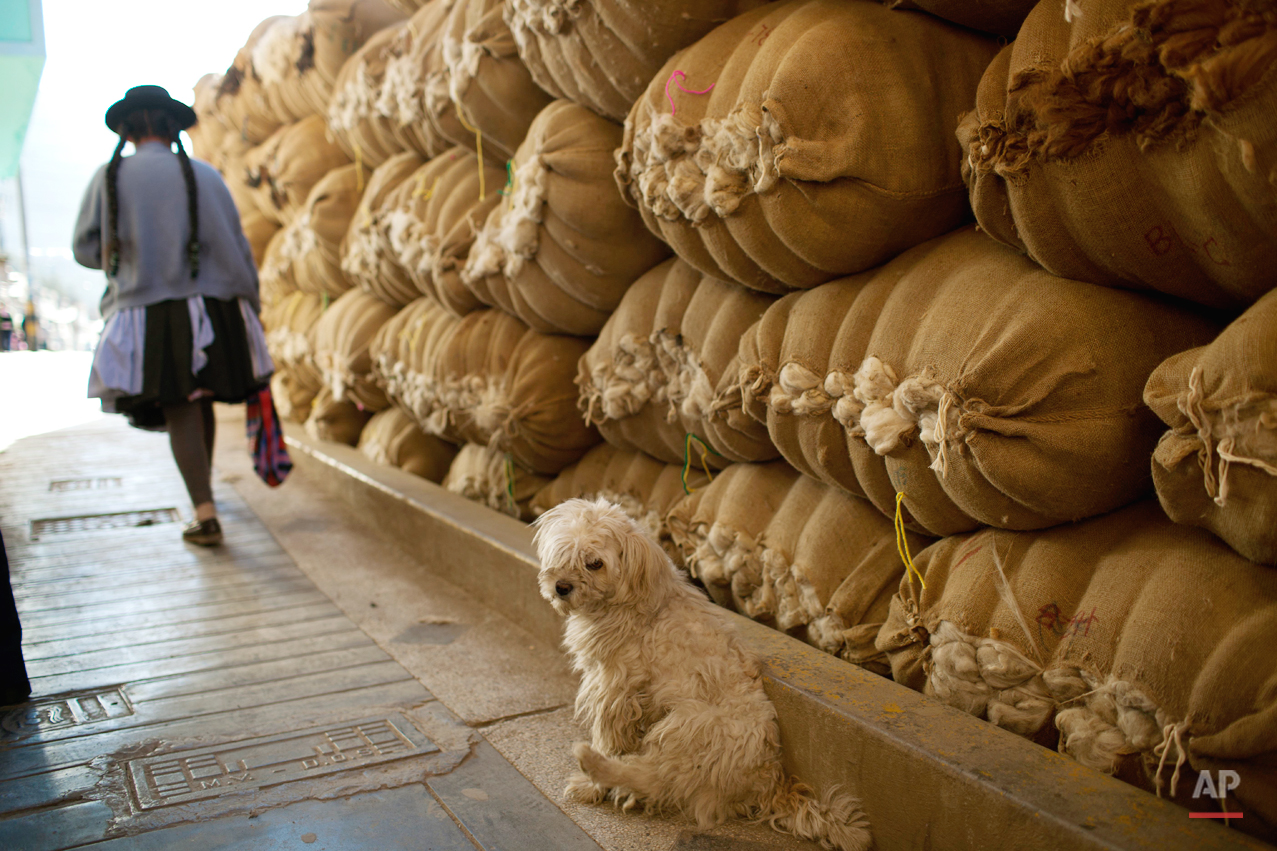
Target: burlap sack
(1217, 466)
(290, 327)
(366, 256)
(562, 247)
(293, 396)
(403, 91)
(432, 219)
(391, 437)
(986, 390)
(315, 235)
(209, 130)
(779, 547)
(394, 359)
(334, 421)
(999, 17)
(493, 97)
(822, 113)
(278, 65)
(512, 388)
(287, 166)
(241, 101)
(648, 382)
(408, 7)
(603, 53)
(343, 342)
(275, 272)
(259, 231)
(1139, 637)
(491, 477)
(235, 159)
(1134, 145)
(644, 488)
(337, 29)
(361, 129)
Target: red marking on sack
(1079, 621)
(682, 76)
(1162, 239)
(968, 555)
(764, 33)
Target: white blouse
(117, 363)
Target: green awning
(21, 61)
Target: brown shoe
(205, 533)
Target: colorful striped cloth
(266, 439)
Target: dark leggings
(191, 430)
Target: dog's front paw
(586, 756)
(581, 788)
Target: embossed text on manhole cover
(94, 522)
(54, 713)
(99, 484)
(177, 778)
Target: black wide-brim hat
(149, 97)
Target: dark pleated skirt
(166, 362)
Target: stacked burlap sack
(278, 71)
(241, 103)
(999, 17)
(430, 219)
(649, 381)
(343, 348)
(1147, 643)
(645, 488)
(825, 146)
(965, 377)
(275, 278)
(208, 132)
(415, 89)
(311, 245)
(366, 133)
(1133, 145)
(487, 379)
(490, 477)
(1216, 467)
(391, 437)
(561, 247)
(603, 53)
(336, 421)
(482, 83)
(284, 168)
(367, 259)
(792, 552)
(289, 326)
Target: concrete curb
(928, 775)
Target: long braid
(113, 208)
(192, 199)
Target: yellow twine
(902, 542)
(478, 141)
(687, 460)
(359, 167)
(421, 191)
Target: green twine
(687, 459)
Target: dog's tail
(833, 819)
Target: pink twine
(682, 76)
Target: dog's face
(594, 556)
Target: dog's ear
(645, 571)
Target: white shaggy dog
(673, 698)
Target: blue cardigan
(153, 230)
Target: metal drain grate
(97, 522)
(99, 484)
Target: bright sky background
(97, 50)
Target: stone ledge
(929, 776)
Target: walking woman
(181, 304)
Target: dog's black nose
(563, 588)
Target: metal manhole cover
(98, 484)
(96, 522)
(60, 711)
(177, 778)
